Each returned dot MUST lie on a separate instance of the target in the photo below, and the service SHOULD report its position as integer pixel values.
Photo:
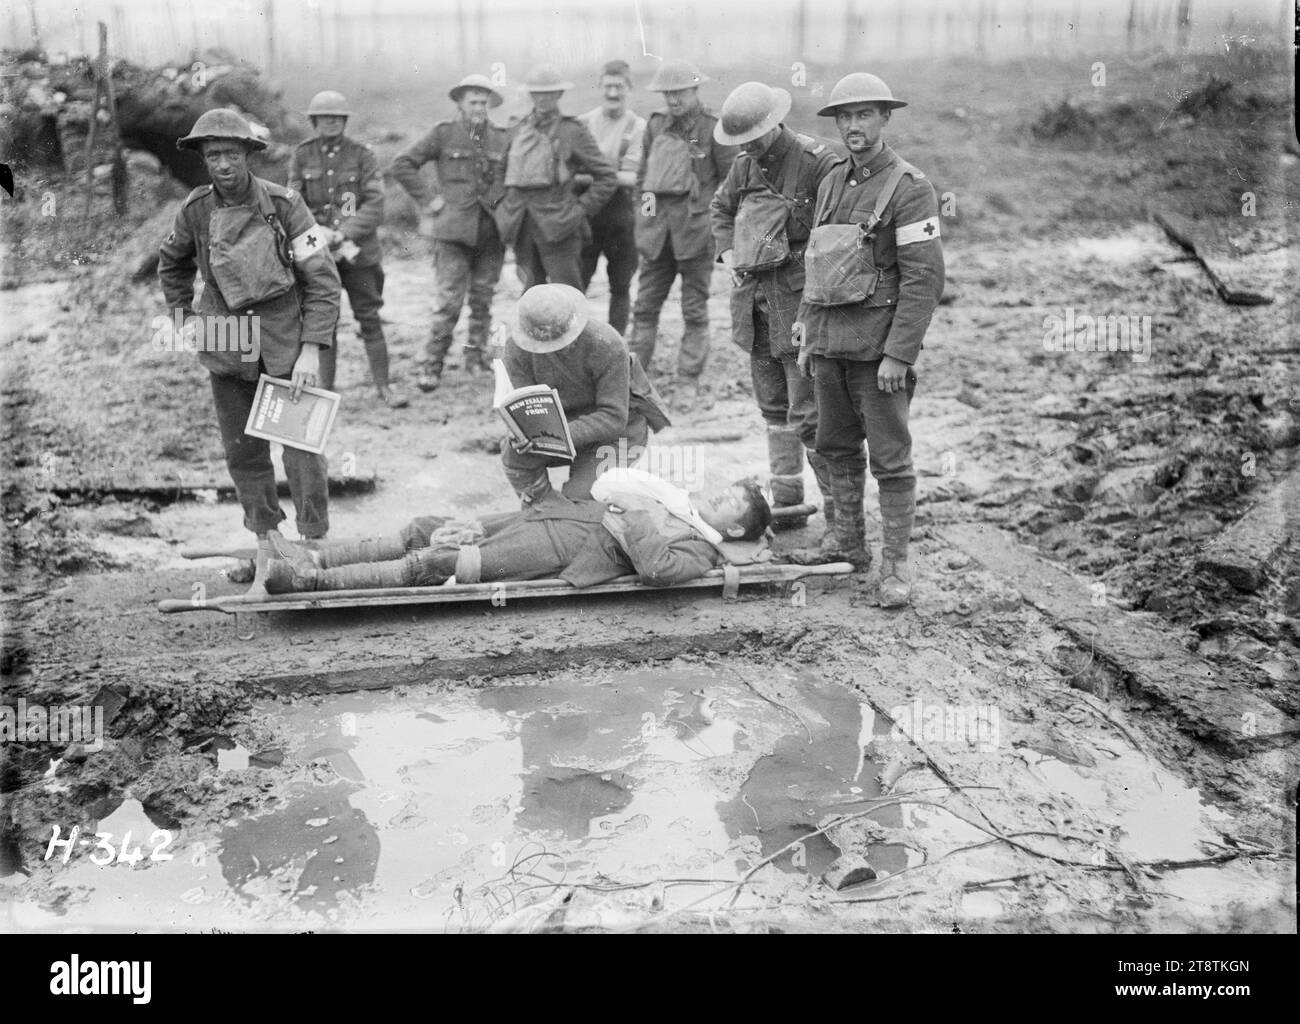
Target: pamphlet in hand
(533, 413)
(305, 424)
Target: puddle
(449, 810)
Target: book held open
(533, 413)
(303, 424)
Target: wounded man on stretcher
(634, 523)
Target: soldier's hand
(892, 375)
(737, 279)
(306, 370)
(582, 182)
(436, 204)
(521, 447)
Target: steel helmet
(548, 317)
(328, 104)
(545, 78)
(221, 123)
(752, 110)
(476, 82)
(676, 74)
(859, 87)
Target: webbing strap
(730, 582)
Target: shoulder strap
(268, 212)
(887, 191)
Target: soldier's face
(227, 163)
(723, 507)
(330, 126)
(546, 102)
(757, 147)
(614, 90)
(682, 101)
(860, 125)
(474, 105)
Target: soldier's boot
(377, 357)
(531, 485)
(476, 360)
(829, 549)
(641, 342)
(431, 370)
(694, 353)
(848, 487)
(288, 577)
(785, 460)
(898, 512)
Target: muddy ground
(626, 763)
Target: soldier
(340, 182)
(469, 154)
(618, 131)
(609, 407)
(682, 165)
(874, 278)
(264, 262)
(541, 216)
(761, 217)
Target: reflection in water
(337, 846)
(789, 792)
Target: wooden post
(1184, 23)
(270, 37)
(119, 158)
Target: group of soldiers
(835, 264)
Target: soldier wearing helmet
(551, 157)
(340, 181)
(682, 164)
(468, 153)
(761, 217)
(266, 265)
(874, 276)
(610, 405)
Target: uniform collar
(778, 149)
(686, 123)
(875, 165)
(544, 122)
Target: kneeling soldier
(340, 181)
(874, 278)
(609, 402)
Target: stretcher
(729, 578)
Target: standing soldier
(266, 262)
(340, 181)
(682, 165)
(762, 215)
(619, 132)
(551, 155)
(469, 154)
(874, 278)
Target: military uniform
(672, 230)
(765, 305)
(342, 186)
(306, 312)
(467, 249)
(593, 377)
(540, 216)
(613, 228)
(847, 340)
